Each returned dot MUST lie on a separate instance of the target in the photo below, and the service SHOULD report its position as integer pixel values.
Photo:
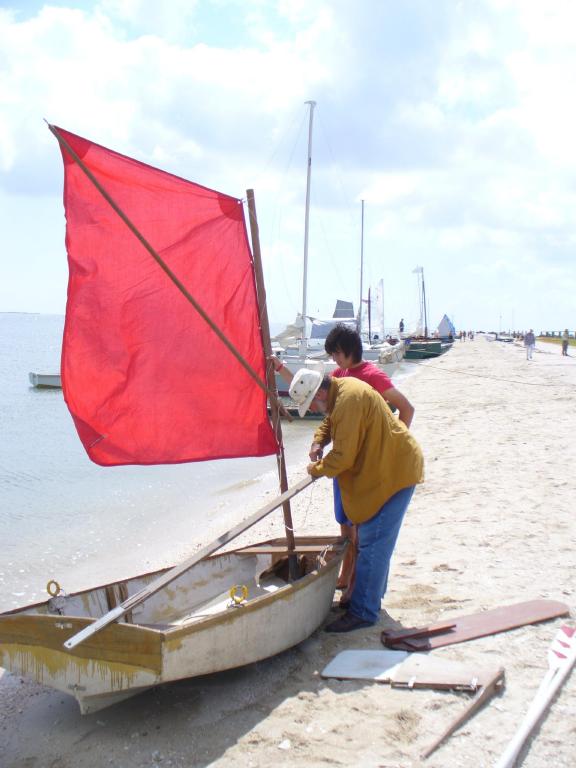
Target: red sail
(146, 379)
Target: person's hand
(316, 452)
(310, 467)
(276, 362)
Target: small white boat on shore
(226, 611)
(50, 380)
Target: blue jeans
(376, 542)
(339, 513)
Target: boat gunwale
(335, 545)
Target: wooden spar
(174, 573)
(162, 264)
(271, 380)
(484, 694)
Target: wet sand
(492, 525)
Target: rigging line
(347, 203)
(344, 283)
(288, 129)
(274, 228)
(483, 376)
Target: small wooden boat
(226, 611)
(50, 380)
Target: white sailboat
(301, 355)
(298, 349)
(375, 347)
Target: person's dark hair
(344, 339)
(325, 383)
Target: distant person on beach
(377, 463)
(401, 325)
(344, 345)
(529, 343)
(565, 341)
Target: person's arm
(281, 369)
(347, 431)
(322, 436)
(404, 406)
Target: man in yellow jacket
(377, 462)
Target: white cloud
(453, 121)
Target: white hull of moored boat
(45, 380)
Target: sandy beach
(492, 525)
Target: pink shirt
(369, 373)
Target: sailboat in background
(376, 347)
(293, 345)
(299, 349)
(422, 347)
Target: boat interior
(217, 583)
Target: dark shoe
(347, 623)
(344, 604)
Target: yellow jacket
(373, 454)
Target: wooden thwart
(462, 628)
(302, 546)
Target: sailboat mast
(270, 378)
(311, 104)
(424, 304)
(361, 271)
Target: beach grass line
(556, 340)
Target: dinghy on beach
(138, 395)
(226, 611)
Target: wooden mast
(270, 378)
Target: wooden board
(426, 671)
(463, 628)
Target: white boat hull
(294, 363)
(190, 628)
(51, 380)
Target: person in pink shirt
(344, 345)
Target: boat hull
(191, 628)
(422, 350)
(49, 380)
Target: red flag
(147, 381)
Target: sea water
(63, 517)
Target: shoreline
(492, 525)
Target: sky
(453, 120)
